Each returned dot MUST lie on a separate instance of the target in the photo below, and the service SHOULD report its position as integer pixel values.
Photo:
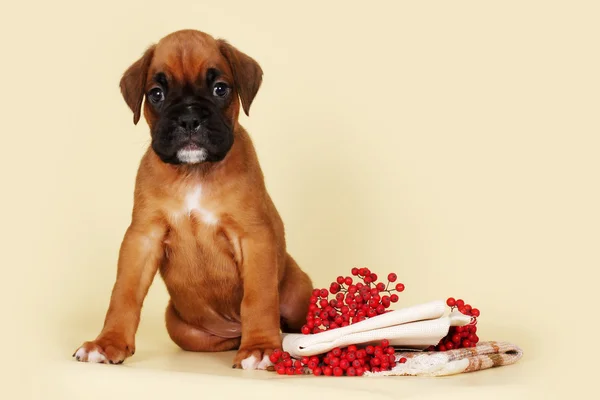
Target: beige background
(452, 142)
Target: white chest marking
(192, 203)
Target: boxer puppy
(202, 216)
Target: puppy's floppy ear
(246, 72)
(133, 83)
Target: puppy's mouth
(192, 154)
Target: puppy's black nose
(189, 121)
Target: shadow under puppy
(202, 216)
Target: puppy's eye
(221, 89)
(156, 95)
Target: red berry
(285, 355)
(337, 371)
(370, 349)
(460, 303)
(313, 299)
(344, 364)
(451, 302)
(360, 371)
(299, 371)
(392, 277)
(305, 330)
(304, 360)
(390, 350)
(355, 271)
(280, 370)
(466, 343)
(274, 358)
(375, 361)
(380, 309)
(475, 312)
(313, 364)
(449, 345)
(340, 280)
(385, 343)
(334, 288)
(328, 371)
(400, 287)
(441, 347)
(334, 361)
(290, 371)
(351, 371)
(348, 281)
(402, 360)
(468, 308)
(394, 298)
(376, 369)
(336, 352)
(392, 358)
(456, 338)
(356, 363)
(317, 371)
(288, 363)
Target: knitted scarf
(451, 362)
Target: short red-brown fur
(236, 274)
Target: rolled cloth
(416, 327)
(451, 362)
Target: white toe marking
(81, 353)
(95, 357)
(250, 362)
(265, 363)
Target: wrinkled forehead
(187, 59)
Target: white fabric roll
(416, 327)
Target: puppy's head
(190, 86)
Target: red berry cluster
(347, 361)
(353, 302)
(459, 336)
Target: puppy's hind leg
(190, 338)
(294, 298)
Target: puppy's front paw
(111, 350)
(253, 358)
